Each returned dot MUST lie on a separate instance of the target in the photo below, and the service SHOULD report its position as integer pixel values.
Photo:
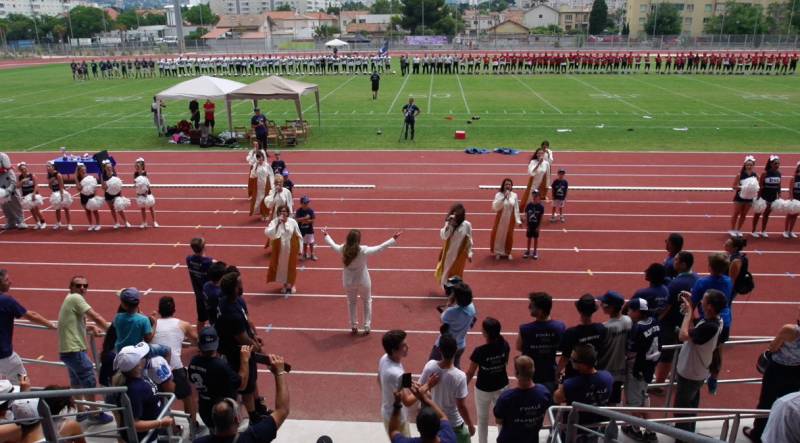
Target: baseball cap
(256, 109)
(562, 171)
(130, 356)
(452, 281)
(586, 304)
(612, 298)
(638, 304)
(7, 388)
(285, 173)
(130, 296)
(305, 200)
(158, 370)
(26, 411)
(208, 339)
(535, 192)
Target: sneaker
(740, 234)
(56, 226)
(354, 330)
(553, 219)
(793, 235)
(650, 437)
(101, 418)
(22, 226)
(526, 254)
(97, 228)
(764, 234)
(116, 225)
(510, 257)
(733, 234)
(535, 256)
(42, 225)
(563, 219)
(632, 432)
(127, 225)
(755, 234)
(155, 224)
(314, 257)
(69, 227)
(143, 225)
(91, 228)
(786, 235)
(712, 385)
(366, 330)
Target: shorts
(81, 369)
(85, 199)
(532, 232)
(742, 201)
(111, 197)
(11, 368)
(559, 203)
(635, 392)
(308, 239)
(182, 387)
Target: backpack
(744, 283)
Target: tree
(197, 33)
(413, 19)
(386, 7)
(333, 10)
(598, 18)
(626, 29)
(88, 21)
(494, 5)
(351, 5)
(200, 15)
(325, 31)
(738, 18)
(663, 19)
(129, 18)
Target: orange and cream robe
(507, 210)
(285, 239)
(456, 251)
(539, 172)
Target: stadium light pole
(422, 2)
(655, 20)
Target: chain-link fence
(283, 44)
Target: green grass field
(42, 108)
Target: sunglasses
(81, 285)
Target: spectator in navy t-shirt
(258, 123)
(198, 265)
(673, 245)
(520, 411)
(10, 364)
(539, 339)
(657, 294)
(584, 333)
(671, 318)
(588, 386)
(489, 361)
(212, 291)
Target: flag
(384, 49)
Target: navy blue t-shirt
(211, 295)
(592, 334)
(657, 297)
(593, 389)
(232, 321)
(198, 266)
(540, 341)
(533, 215)
(260, 129)
(522, 412)
(644, 348)
(261, 432)
(305, 227)
(560, 188)
(10, 310)
(145, 405)
(681, 282)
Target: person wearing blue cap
(131, 326)
(617, 328)
(643, 353)
(288, 184)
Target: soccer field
(43, 108)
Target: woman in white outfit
(457, 248)
(506, 206)
(356, 275)
(539, 171)
(285, 238)
(278, 196)
(263, 176)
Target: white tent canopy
(274, 88)
(335, 43)
(203, 87)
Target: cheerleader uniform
(26, 184)
(772, 186)
(796, 189)
(136, 175)
(52, 180)
(742, 177)
(109, 197)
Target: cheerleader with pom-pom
(31, 200)
(263, 175)
(60, 199)
(144, 196)
(284, 235)
(744, 185)
(87, 186)
(794, 209)
(770, 190)
(112, 185)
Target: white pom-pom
(31, 201)
(88, 185)
(4, 196)
(142, 184)
(780, 207)
(794, 207)
(122, 203)
(58, 203)
(95, 203)
(759, 205)
(114, 185)
(146, 201)
(749, 188)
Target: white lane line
(726, 202)
(485, 297)
(430, 94)
(396, 96)
(151, 164)
(458, 78)
(330, 93)
(679, 94)
(419, 247)
(339, 269)
(645, 111)
(539, 96)
(490, 173)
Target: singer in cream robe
(455, 252)
(285, 238)
(506, 205)
(539, 171)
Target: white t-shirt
(390, 374)
(452, 386)
(782, 424)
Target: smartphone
(405, 381)
(264, 360)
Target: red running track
(606, 243)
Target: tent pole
(228, 107)
(319, 118)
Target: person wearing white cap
(9, 197)
(26, 414)
(60, 199)
(130, 366)
(643, 353)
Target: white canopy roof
(201, 88)
(336, 43)
(275, 88)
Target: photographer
(226, 418)
(410, 113)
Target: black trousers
(778, 381)
(409, 124)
